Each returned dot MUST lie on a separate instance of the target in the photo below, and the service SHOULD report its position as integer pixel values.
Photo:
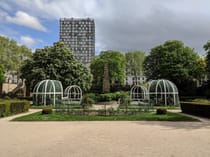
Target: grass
(150, 116)
(72, 106)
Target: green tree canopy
(173, 61)
(207, 48)
(2, 77)
(56, 62)
(116, 64)
(134, 62)
(12, 55)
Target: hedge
(194, 108)
(2, 109)
(8, 107)
(106, 97)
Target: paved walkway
(104, 138)
(7, 119)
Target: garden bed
(149, 116)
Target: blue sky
(120, 24)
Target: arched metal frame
(163, 92)
(138, 93)
(73, 95)
(47, 90)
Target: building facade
(79, 35)
(132, 80)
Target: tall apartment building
(79, 35)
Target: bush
(16, 107)
(13, 107)
(7, 98)
(196, 108)
(2, 109)
(105, 97)
(161, 111)
(124, 99)
(47, 111)
(26, 98)
(87, 100)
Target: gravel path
(104, 139)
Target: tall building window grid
(79, 35)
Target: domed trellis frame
(138, 93)
(163, 92)
(73, 95)
(48, 92)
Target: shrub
(13, 107)
(124, 99)
(26, 105)
(2, 109)
(161, 111)
(87, 100)
(17, 107)
(92, 96)
(196, 108)
(26, 98)
(7, 97)
(47, 111)
(105, 97)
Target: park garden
(65, 89)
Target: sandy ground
(104, 139)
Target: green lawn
(143, 116)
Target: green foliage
(2, 109)
(2, 77)
(87, 100)
(134, 62)
(12, 55)
(175, 62)
(207, 48)
(196, 108)
(116, 64)
(107, 96)
(47, 111)
(124, 99)
(8, 107)
(149, 116)
(16, 107)
(57, 63)
(161, 111)
(92, 96)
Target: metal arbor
(73, 95)
(138, 93)
(48, 92)
(163, 92)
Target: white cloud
(27, 40)
(125, 24)
(5, 6)
(24, 19)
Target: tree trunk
(28, 90)
(1, 88)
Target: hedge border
(195, 108)
(9, 107)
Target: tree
(207, 48)
(2, 78)
(134, 63)
(56, 62)
(12, 55)
(116, 65)
(175, 62)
